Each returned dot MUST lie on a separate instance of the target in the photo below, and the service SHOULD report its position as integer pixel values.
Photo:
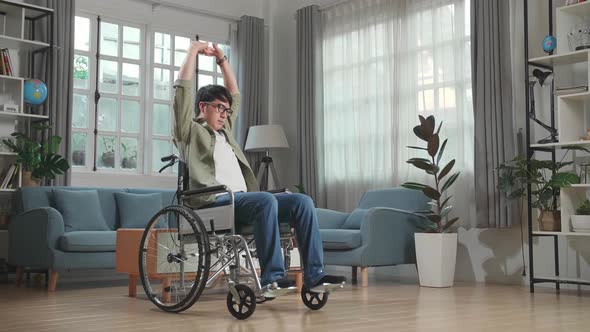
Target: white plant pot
(436, 254)
(581, 223)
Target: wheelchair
(183, 251)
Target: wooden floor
(384, 305)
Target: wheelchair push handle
(171, 159)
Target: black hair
(210, 93)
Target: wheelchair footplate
(270, 292)
(327, 288)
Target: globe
(35, 91)
(549, 44)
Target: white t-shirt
(227, 168)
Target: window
(134, 119)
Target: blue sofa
(379, 232)
(59, 228)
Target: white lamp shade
(262, 138)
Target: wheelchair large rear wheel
(174, 258)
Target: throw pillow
(136, 210)
(80, 210)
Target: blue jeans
(264, 210)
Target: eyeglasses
(220, 108)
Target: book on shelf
(570, 90)
(9, 176)
(5, 63)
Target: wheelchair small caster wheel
(313, 300)
(244, 306)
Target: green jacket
(196, 141)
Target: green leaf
(428, 126)
(433, 144)
(417, 148)
(427, 166)
(413, 185)
(445, 211)
(449, 223)
(434, 218)
(565, 179)
(418, 132)
(440, 152)
(431, 192)
(446, 169)
(575, 147)
(442, 205)
(450, 182)
(439, 126)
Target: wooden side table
(127, 256)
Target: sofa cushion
(88, 241)
(340, 239)
(81, 210)
(136, 210)
(355, 219)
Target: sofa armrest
(329, 219)
(33, 235)
(388, 235)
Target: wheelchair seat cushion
(284, 228)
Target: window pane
(426, 101)
(130, 79)
(80, 112)
(205, 80)
(447, 98)
(160, 149)
(181, 44)
(81, 72)
(82, 33)
(206, 63)
(107, 114)
(162, 48)
(131, 43)
(220, 81)
(79, 149)
(129, 153)
(130, 116)
(109, 39)
(161, 120)
(161, 83)
(105, 151)
(108, 76)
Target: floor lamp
(262, 139)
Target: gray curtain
(252, 80)
(56, 72)
(309, 102)
(492, 107)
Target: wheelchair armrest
(206, 191)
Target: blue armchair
(379, 232)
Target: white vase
(581, 223)
(436, 254)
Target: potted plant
(546, 180)
(436, 248)
(79, 150)
(581, 220)
(39, 160)
(108, 154)
(129, 160)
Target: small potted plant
(39, 160)
(436, 248)
(78, 150)
(546, 179)
(581, 220)
(108, 154)
(129, 155)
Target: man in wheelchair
(213, 157)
